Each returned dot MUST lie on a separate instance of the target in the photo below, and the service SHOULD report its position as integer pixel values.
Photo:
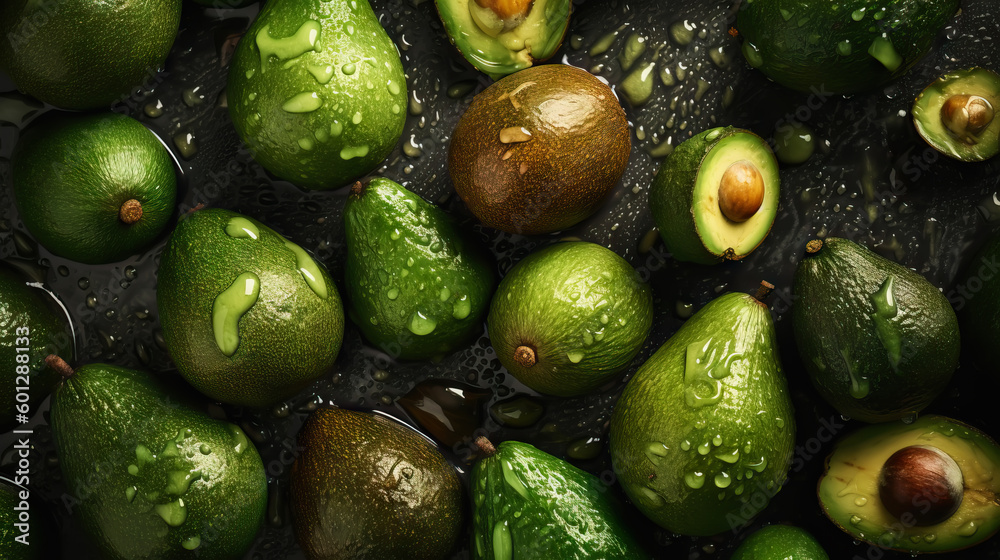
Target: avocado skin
(795, 59)
(564, 514)
(367, 487)
(72, 174)
(11, 549)
(273, 135)
(832, 315)
(85, 54)
(101, 415)
(579, 148)
(654, 413)
(852, 472)
(447, 261)
(25, 307)
(780, 542)
(979, 310)
(534, 307)
(290, 336)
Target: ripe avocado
(500, 37)
(317, 91)
(154, 477)
(780, 542)
(956, 114)
(850, 494)
(839, 47)
(249, 317)
(33, 325)
(417, 289)
(93, 188)
(368, 487)
(529, 505)
(539, 150)
(84, 54)
(716, 196)
(703, 432)
(569, 317)
(878, 340)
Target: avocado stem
(486, 446)
(814, 246)
(524, 356)
(357, 189)
(763, 291)
(130, 211)
(60, 365)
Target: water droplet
(173, 513)
(308, 268)
(968, 529)
(930, 538)
(760, 465)
(185, 144)
(682, 32)
(575, 356)
(844, 48)
(886, 329)
(656, 451)
(858, 15)
(503, 544)
(191, 543)
(638, 85)
(461, 308)
(723, 480)
(520, 412)
(651, 498)
(130, 493)
(512, 480)
(336, 128)
(732, 457)
(305, 102)
(241, 443)
(205, 449)
(855, 520)
(445, 294)
(883, 51)
(349, 152)
(229, 306)
(514, 135)
(704, 448)
(694, 479)
(686, 445)
(860, 501)
(349, 69)
(752, 54)
(421, 325)
(410, 261)
(717, 440)
(303, 41)
(393, 293)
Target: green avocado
(956, 114)
(32, 325)
(529, 505)
(500, 37)
(317, 91)
(715, 196)
(929, 486)
(369, 488)
(248, 316)
(93, 188)
(567, 318)
(878, 341)
(85, 54)
(702, 436)
(839, 47)
(780, 542)
(418, 288)
(20, 539)
(149, 475)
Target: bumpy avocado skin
(849, 495)
(780, 542)
(878, 340)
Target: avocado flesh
(367, 487)
(580, 309)
(418, 288)
(927, 114)
(527, 504)
(849, 495)
(704, 431)
(684, 197)
(878, 341)
(493, 48)
(169, 474)
(839, 47)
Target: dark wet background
(871, 179)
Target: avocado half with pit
(500, 37)
(929, 486)
(956, 114)
(715, 197)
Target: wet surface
(678, 71)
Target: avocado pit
(497, 16)
(966, 116)
(741, 191)
(921, 484)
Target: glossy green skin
(780, 542)
(927, 114)
(490, 55)
(753, 411)
(374, 95)
(833, 325)
(11, 549)
(977, 301)
(100, 415)
(567, 298)
(71, 176)
(552, 509)
(431, 277)
(84, 54)
(223, 4)
(25, 307)
(367, 487)
(801, 51)
(289, 338)
(671, 197)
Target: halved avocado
(500, 37)
(956, 114)
(715, 197)
(925, 452)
